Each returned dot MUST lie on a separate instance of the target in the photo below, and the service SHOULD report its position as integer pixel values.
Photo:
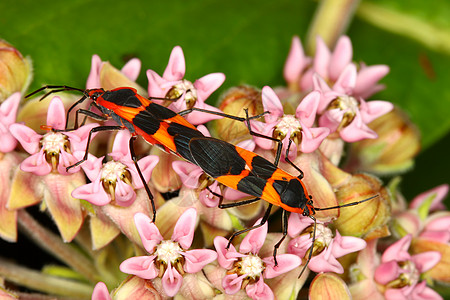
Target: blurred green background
(248, 41)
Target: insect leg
(311, 249)
(233, 204)
(284, 217)
(291, 163)
(147, 189)
(263, 221)
(93, 130)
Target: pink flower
(344, 113)
(296, 64)
(130, 70)
(400, 272)
(246, 269)
(114, 180)
(54, 150)
(168, 259)
(299, 128)
(8, 113)
(172, 85)
(418, 221)
(299, 69)
(326, 249)
(100, 292)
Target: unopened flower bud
(34, 112)
(393, 151)
(441, 271)
(328, 286)
(136, 288)
(111, 78)
(233, 102)
(15, 71)
(368, 219)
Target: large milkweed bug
(250, 173)
(157, 124)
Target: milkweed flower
(428, 222)
(172, 85)
(246, 269)
(169, 259)
(344, 113)
(8, 114)
(299, 128)
(399, 272)
(53, 151)
(117, 179)
(299, 69)
(327, 247)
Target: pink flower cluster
(329, 94)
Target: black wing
(216, 157)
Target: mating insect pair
(230, 165)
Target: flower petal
(188, 172)
(171, 281)
(124, 193)
(176, 67)
(343, 245)
(271, 103)
(438, 193)
(142, 266)
(56, 114)
(341, 57)
(148, 232)
(93, 80)
(183, 232)
(232, 283)
(325, 262)
(386, 272)
(295, 62)
(259, 290)
(297, 223)
(198, 258)
(154, 85)
(346, 81)
(132, 68)
(225, 257)
(321, 58)
(26, 136)
(36, 164)
(92, 192)
(426, 260)
(374, 109)
(286, 262)
(307, 109)
(254, 240)
(398, 251)
(100, 292)
(366, 83)
(422, 292)
(207, 84)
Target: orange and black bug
(250, 173)
(157, 124)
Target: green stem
(330, 21)
(43, 282)
(433, 37)
(54, 245)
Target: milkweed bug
(157, 124)
(250, 173)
